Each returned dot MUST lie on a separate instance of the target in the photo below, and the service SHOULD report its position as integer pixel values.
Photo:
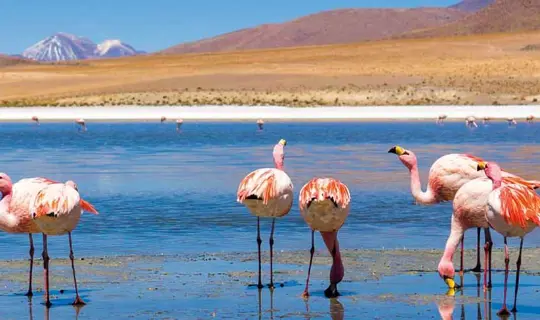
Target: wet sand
(390, 284)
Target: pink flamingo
(441, 118)
(324, 204)
(511, 122)
(14, 210)
(56, 210)
(267, 192)
(446, 176)
(530, 119)
(179, 123)
(471, 122)
(163, 119)
(513, 210)
(260, 124)
(81, 123)
(35, 119)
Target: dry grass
(462, 70)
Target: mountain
(115, 48)
(471, 5)
(328, 27)
(500, 16)
(65, 46)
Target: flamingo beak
(283, 142)
(450, 283)
(481, 166)
(398, 151)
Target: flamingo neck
(8, 220)
(416, 188)
(496, 183)
(456, 233)
(337, 271)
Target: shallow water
(163, 192)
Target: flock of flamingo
(484, 197)
(470, 121)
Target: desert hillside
(329, 27)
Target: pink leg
(271, 241)
(518, 265)
(487, 259)
(29, 293)
(312, 251)
(461, 257)
(504, 309)
(46, 259)
(78, 301)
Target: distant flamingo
(441, 118)
(163, 119)
(471, 122)
(324, 204)
(56, 210)
(513, 210)
(446, 176)
(35, 119)
(511, 122)
(486, 120)
(179, 123)
(267, 192)
(81, 123)
(260, 124)
(530, 119)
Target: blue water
(160, 191)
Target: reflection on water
(47, 311)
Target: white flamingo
(471, 122)
(179, 123)
(267, 192)
(81, 123)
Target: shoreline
(267, 113)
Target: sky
(152, 25)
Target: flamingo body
(324, 204)
(266, 192)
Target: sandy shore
(130, 113)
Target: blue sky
(152, 25)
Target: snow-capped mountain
(64, 46)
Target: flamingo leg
(461, 256)
(331, 291)
(46, 259)
(259, 242)
(504, 309)
(487, 259)
(518, 265)
(311, 252)
(478, 267)
(31, 252)
(490, 244)
(78, 301)
(271, 241)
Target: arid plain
(465, 70)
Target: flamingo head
(72, 184)
(408, 158)
(5, 184)
(447, 272)
(492, 170)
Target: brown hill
(472, 5)
(329, 27)
(500, 16)
(6, 61)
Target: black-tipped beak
(479, 168)
(393, 150)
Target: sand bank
(130, 113)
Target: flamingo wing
(324, 188)
(519, 203)
(263, 184)
(57, 200)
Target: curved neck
(8, 221)
(416, 188)
(456, 233)
(279, 165)
(337, 272)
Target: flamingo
(441, 118)
(163, 119)
(56, 210)
(471, 122)
(513, 210)
(81, 123)
(35, 119)
(486, 120)
(446, 176)
(260, 124)
(179, 123)
(324, 204)
(511, 122)
(267, 192)
(530, 119)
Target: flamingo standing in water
(81, 123)
(35, 119)
(486, 120)
(179, 123)
(260, 124)
(511, 122)
(324, 204)
(530, 119)
(446, 176)
(513, 210)
(163, 119)
(56, 210)
(441, 118)
(267, 192)
(471, 122)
